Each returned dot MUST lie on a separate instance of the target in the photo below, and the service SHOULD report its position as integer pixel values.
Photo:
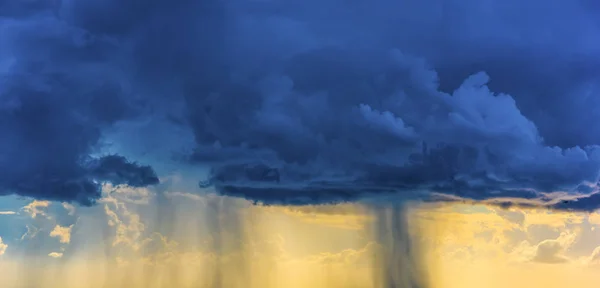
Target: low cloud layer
(306, 103)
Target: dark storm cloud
(390, 96)
(59, 89)
(302, 102)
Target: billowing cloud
(475, 101)
(550, 251)
(334, 120)
(58, 91)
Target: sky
(265, 143)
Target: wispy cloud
(70, 208)
(37, 208)
(31, 232)
(55, 254)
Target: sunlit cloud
(37, 208)
(166, 240)
(3, 247)
(55, 254)
(62, 233)
(128, 226)
(533, 247)
(345, 216)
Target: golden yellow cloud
(62, 233)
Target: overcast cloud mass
(304, 102)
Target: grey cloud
(304, 103)
(334, 113)
(59, 89)
(548, 252)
